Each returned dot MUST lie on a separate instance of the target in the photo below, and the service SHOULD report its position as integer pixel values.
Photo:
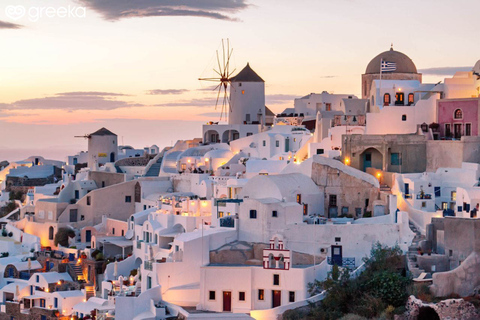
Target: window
(113, 230)
(88, 201)
(438, 191)
(277, 143)
(123, 233)
(395, 159)
(253, 214)
(55, 303)
(424, 204)
(82, 217)
(149, 282)
(103, 184)
(458, 114)
(386, 99)
(249, 134)
(332, 200)
(338, 239)
(261, 294)
(37, 278)
(211, 295)
(328, 107)
(73, 215)
(410, 99)
(291, 296)
(128, 198)
(220, 214)
(468, 129)
(50, 233)
(305, 209)
(241, 296)
(299, 198)
(264, 143)
(320, 151)
(77, 194)
(454, 195)
(274, 213)
(344, 211)
(450, 253)
(404, 117)
(276, 279)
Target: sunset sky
(133, 66)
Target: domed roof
(404, 63)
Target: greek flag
(388, 66)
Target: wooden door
(276, 298)
(227, 301)
(457, 127)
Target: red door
(276, 298)
(227, 301)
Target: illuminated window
(458, 114)
(454, 195)
(410, 99)
(386, 99)
(261, 294)
(328, 107)
(299, 198)
(305, 209)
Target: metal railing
(346, 262)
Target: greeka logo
(36, 13)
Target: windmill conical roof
(247, 75)
(103, 132)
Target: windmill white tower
(247, 98)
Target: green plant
(99, 256)
(94, 253)
(73, 247)
(133, 272)
(367, 214)
(4, 232)
(62, 235)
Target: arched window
(386, 99)
(50, 233)
(410, 99)
(458, 114)
(271, 261)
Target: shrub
(10, 234)
(99, 256)
(4, 232)
(133, 272)
(94, 253)
(62, 235)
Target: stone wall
(450, 309)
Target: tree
(62, 235)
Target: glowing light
(46, 290)
(188, 160)
(192, 203)
(79, 261)
(347, 161)
(206, 160)
(204, 203)
(399, 89)
(379, 175)
(59, 282)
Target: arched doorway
(427, 313)
(112, 157)
(211, 136)
(371, 158)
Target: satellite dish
(476, 68)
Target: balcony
(348, 263)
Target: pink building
(458, 117)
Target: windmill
(223, 79)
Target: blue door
(407, 190)
(337, 255)
(367, 161)
(88, 236)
